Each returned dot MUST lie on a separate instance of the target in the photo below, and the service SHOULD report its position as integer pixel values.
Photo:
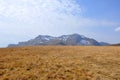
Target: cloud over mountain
(27, 9)
(47, 11)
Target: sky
(21, 20)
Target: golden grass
(60, 63)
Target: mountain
(73, 39)
(103, 43)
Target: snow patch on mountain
(85, 42)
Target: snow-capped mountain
(73, 39)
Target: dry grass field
(60, 63)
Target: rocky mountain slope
(73, 39)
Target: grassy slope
(60, 63)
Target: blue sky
(25, 19)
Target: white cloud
(117, 29)
(28, 9)
(64, 12)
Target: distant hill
(73, 39)
(115, 44)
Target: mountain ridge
(72, 39)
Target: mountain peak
(76, 34)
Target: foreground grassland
(60, 63)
